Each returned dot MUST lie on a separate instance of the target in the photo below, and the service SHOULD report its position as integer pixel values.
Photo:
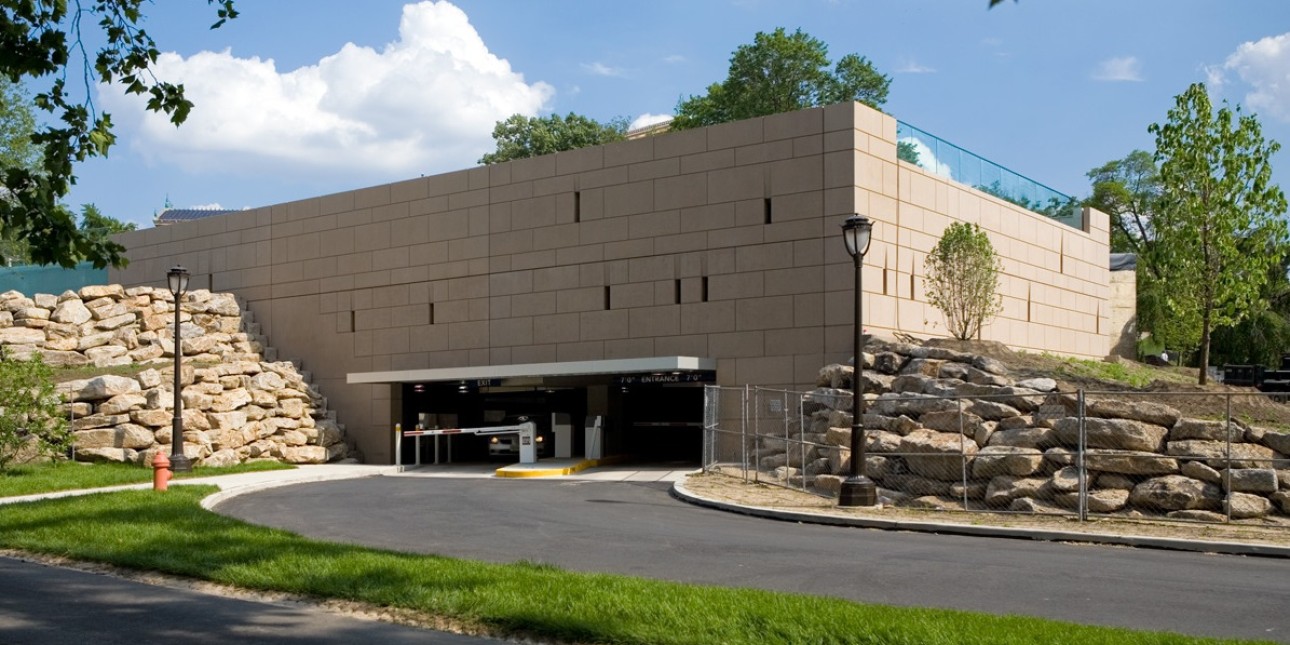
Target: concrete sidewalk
(235, 484)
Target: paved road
(639, 529)
(54, 606)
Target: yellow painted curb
(547, 472)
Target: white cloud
(927, 160)
(1265, 66)
(1124, 68)
(647, 119)
(424, 103)
(914, 67)
(601, 69)
(674, 58)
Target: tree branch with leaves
(39, 41)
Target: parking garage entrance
(638, 411)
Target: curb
(547, 472)
(682, 493)
(211, 501)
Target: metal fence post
(962, 453)
(1227, 472)
(1079, 461)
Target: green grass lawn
(170, 532)
(30, 479)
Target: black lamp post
(858, 489)
(177, 278)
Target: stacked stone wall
(238, 403)
(950, 430)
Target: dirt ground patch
(732, 490)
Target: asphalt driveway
(639, 529)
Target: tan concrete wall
(1124, 313)
(608, 252)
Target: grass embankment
(47, 478)
(1123, 373)
(171, 533)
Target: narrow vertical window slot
(766, 210)
(606, 298)
(705, 289)
(210, 282)
(676, 292)
(884, 281)
(911, 286)
(577, 207)
(432, 313)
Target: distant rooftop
(176, 215)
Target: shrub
(963, 279)
(31, 420)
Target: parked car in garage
(507, 446)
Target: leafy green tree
(1218, 225)
(782, 72)
(41, 40)
(31, 419)
(1264, 334)
(962, 275)
(522, 136)
(94, 222)
(17, 124)
(1127, 190)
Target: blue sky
(297, 99)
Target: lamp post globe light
(857, 488)
(177, 279)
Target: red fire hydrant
(161, 471)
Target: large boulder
(937, 455)
(1243, 455)
(1004, 489)
(1129, 462)
(1041, 438)
(1244, 506)
(1104, 500)
(1205, 429)
(103, 387)
(1115, 434)
(1253, 480)
(992, 461)
(951, 421)
(1153, 413)
(22, 336)
(71, 312)
(1176, 493)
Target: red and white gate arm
(527, 429)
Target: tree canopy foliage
(1127, 190)
(963, 279)
(522, 136)
(1218, 226)
(782, 72)
(40, 41)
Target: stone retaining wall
(950, 430)
(238, 403)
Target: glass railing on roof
(943, 158)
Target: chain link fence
(1083, 454)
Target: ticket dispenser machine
(528, 443)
